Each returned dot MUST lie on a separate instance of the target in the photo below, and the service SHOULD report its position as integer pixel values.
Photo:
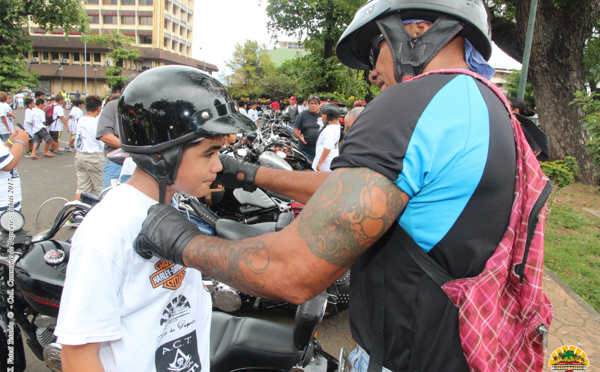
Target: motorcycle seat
(248, 343)
(233, 230)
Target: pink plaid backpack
(504, 315)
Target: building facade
(162, 30)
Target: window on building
(146, 2)
(128, 20)
(55, 56)
(174, 9)
(75, 57)
(165, 23)
(93, 2)
(145, 39)
(87, 57)
(127, 2)
(166, 42)
(146, 21)
(109, 2)
(65, 55)
(44, 56)
(109, 20)
(181, 29)
(166, 5)
(180, 48)
(173, 27)
(94, 19)
(36, 54)
(173, 45)
(97, 57)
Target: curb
(590, 310)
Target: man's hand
(165, 233)
(232, 168)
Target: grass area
(573, 240)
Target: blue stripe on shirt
(438, 184)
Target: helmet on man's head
(332, 110)
(384, 17)
(165, 108)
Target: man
(351, 116)
(108, 132)
(432, 156)
(253, 112)
(308, 125)
(6, 116)
(242, 107)
(77, 94)
(292, 108)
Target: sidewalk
(575, 322)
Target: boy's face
(199, 167)
(8, 99)
(324, 117)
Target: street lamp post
(204, 61)
(95, 81)
(60, 69)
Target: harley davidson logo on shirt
(169, 275)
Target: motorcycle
(32, 274)
(229, 299)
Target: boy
(28, 124)
(89, 160)
(329, 138)
(38, 117)
(6, 116)
(74, 116)
(120, 312)
(253, 112)
(58, 124)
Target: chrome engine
(224, 297)
(45, 336)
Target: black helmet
(382, 17)
(332, 110)
(166, 107)
(286, 116)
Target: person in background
(28, 124)
(242, 107)
(40, 131)
(307, 126)
(89, 160)
(351, 117)
(6, 116)
(59, 123)
(303, 107)
(329, 138)
(253, 113)
(74, 116)
(537, 139)
(275, 105)
(292, 109)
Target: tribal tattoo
(348, 214)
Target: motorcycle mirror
(12, 220)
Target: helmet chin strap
(162, 167)
(411, 54)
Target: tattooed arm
(351, 210)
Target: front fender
(10, 332)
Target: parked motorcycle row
(33, 269)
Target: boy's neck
(333, 122)
(145, 184)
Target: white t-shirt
(5, 109)
(149, 315)
(5, 158)
(328, 139)
(28, 121)
(253, 114)
(85, 139)
(302, 108)
(75, 114)
(19, 98)
(38, 117)
(243, 111)
(57, 125)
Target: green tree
(591, 60)
(556, 67)
(121, 46)
(16, 45)
(320, 23)
(512, 86)
(249, 64)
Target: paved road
(44, 179)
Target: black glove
(165, 233)
(231, 168)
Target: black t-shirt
(445, 140)
(310, 127)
